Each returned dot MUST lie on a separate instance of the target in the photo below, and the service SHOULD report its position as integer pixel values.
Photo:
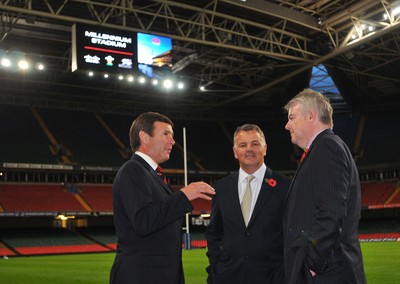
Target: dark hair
(145, 122)
(248, 127)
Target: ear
(234, 153)
(265, 149)
(144, 137)
(311, 115)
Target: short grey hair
(248, 127)
(310, 99)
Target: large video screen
(154, 54)
(101, 49)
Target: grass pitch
(381, 261)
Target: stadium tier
(4, 251)
(32, 210)
(102, 235)
(380, 194)
(33, 241)
(98, 197)
(59, 198)
(46, 197)
(38, 198)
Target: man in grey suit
(322, 210)
(147, 213)
(244, 237)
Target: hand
(312, 273)
(198, 189)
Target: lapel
(152, 172)
(232, 199)
(319, 136)
(263, 196)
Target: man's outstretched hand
(198, 189)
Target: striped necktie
(304, 155)
(161, 174)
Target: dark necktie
(304, 155)
(160, 173)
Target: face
(158, 146)
(249, 150)
(298, 126)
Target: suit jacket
(148, 221)
(321, 216)
(252, 254)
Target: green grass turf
(381, 260)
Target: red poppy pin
(271, 182)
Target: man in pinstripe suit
(322, 210)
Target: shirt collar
(258, 174)
(147, 158)
(313, 138)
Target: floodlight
(5, 62)
(167, 84)
(23, 64)
(142, 80)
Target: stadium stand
(102, 235)
(34, 241)
(97, 196)
(37, 198)
(201, 206)
(374, 193)
(394, 199)
(36, 187)
(379, 229)
(386, 225)
(5, 251)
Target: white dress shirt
(255, 185)
(149, 160)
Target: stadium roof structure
(250, 56)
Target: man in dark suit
(322, 210)
(245, 245)
(147, 214)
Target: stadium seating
(4, 251)
(102, 235)
(31, 241)
(374, 226)
(394, 199)
(37, 198)
(201, 206)
(375, 193)
(35, 241)
(46, 197)
(97, 196)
